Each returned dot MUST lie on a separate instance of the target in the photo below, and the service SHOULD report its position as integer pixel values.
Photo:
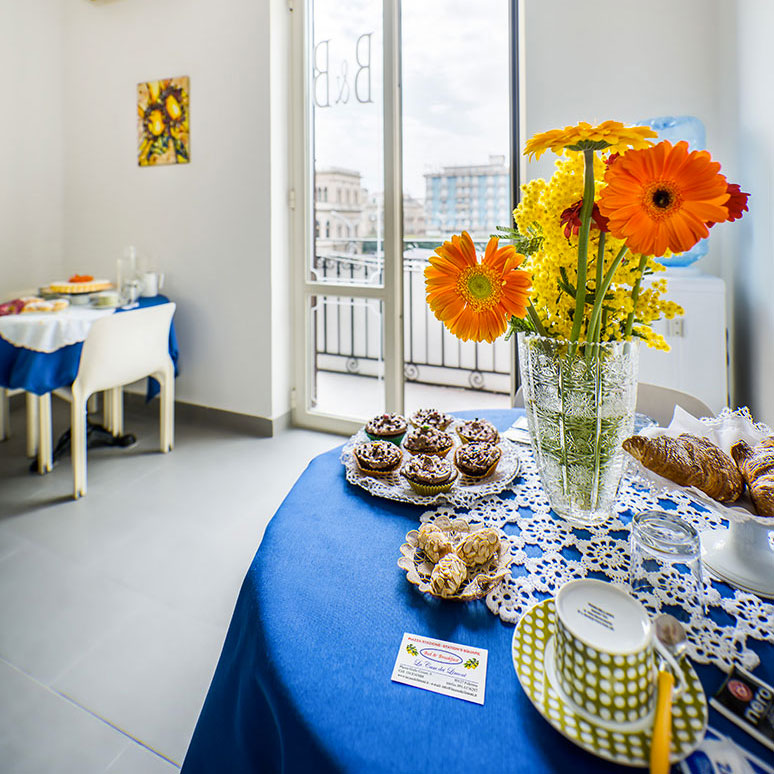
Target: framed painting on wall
(162, 122)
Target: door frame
(302, 229)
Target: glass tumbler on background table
(665, 556)
(126, 274)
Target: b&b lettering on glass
(335, 87)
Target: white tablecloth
(50, 331)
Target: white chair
(659, 403)
(655, 402)
(119, 350)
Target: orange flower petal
(476, 300)
(661, 198)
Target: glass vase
(580, 402)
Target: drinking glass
(666, 564)
(126, 270)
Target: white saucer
(624, 743)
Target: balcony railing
(349, 332)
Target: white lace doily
(465, 491)
(548, 551)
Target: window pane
(347, 369)
(347, 141)
(456, 176)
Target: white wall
(30, 144)
(207, 224)
(754, 272)
(625, 60)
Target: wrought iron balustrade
(348, 331)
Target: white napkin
(724, 430)
(518, 432)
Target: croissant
(757, 466)
(689, 460)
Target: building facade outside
(339, 201)
(414, 221)
(474, 198)
(373, 216)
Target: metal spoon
(671, 634)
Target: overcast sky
(455, 111)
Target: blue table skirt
(42, 372)
(303, 682)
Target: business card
(442, 667)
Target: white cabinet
(697, 362)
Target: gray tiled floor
(113, 608)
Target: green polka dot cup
(605, 645)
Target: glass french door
(347, 225)
(369, 77)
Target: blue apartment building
(475, 198)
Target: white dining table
(40, 354)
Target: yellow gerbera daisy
(609, 135)
(475, 300)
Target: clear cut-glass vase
(580, 402)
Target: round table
(303, 683)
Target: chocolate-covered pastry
(428, 440)
(478, 459)
(448, 575)
(756, 464)
(430, 417)
(428, 469)
(386, 427)
(478, 430)
(479, 546)
(428, 474)
(689, 460)
(378, 458)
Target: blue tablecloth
(303, 682)
(42, 372)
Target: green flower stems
(583, 243)
(635, 295)
(594, 330)
(535, 320)
(593, 334)
(600, 293)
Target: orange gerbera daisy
(662, 198)
(475, 300)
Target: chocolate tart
(431, 417)
(387, 427)
(478, 459)
(377, 458)
(428, 440)
(474, 430)
(429, 474)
